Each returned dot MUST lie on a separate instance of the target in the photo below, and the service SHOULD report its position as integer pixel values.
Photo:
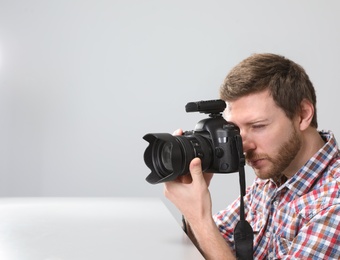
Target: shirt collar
(303, 180)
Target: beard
(279, 162)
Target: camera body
(214, 140)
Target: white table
(90, 228)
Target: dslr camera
(215, 141)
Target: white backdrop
(81, 82)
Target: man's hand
(189, 192)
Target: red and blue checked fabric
(299, 219)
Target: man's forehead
(251, 107)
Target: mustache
(251, 156)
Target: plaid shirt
(299, 219)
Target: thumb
(196, 170)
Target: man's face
(270, 139)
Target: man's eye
(258, 126)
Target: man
(293, 205)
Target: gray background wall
(81, 82)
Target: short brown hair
(287, 82)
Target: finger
(178, 132)
(196, 170)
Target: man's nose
(247, 142)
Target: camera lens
(169, 156)
(166, 156)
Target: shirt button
(276, 203)
(268, 234)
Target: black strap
(243, 232)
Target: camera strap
(243, 232)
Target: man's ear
(306, 114)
